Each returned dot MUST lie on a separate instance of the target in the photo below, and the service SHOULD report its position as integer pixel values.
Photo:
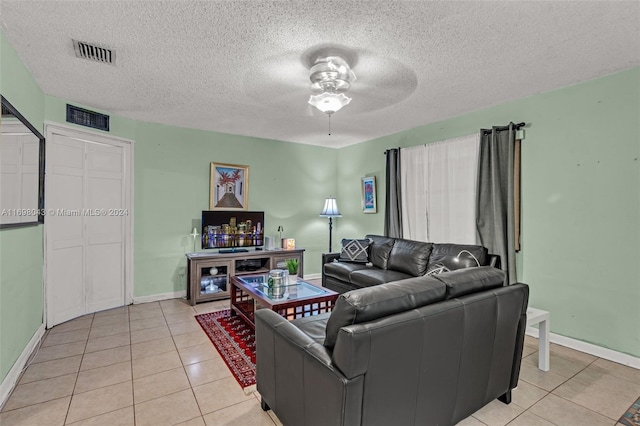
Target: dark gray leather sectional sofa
(429, 351)
(392, 259)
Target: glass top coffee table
(250, 292)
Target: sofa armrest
(493, 260)
(296, 377)
(271, 322)
(329, 257)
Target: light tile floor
(151, 364)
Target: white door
(87, 199)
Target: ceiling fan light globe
(329, 102)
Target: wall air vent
(93, 52)
(87, 118)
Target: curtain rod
(497, 128)
(501, 128)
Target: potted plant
(292, 266)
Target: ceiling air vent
(87, 118)
(93, 52)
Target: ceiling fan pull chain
(329, 124)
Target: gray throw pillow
(354, 250)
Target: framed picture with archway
(369, 202)
(229, 187)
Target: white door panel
(105, 202)
(67, 300)
(105, 277)
(30, 176)
(10, 151)
(31, 153)
(9, 175)
(105, 229)
(85, 236)
(104, 239)
(106, 158)
(19, 174)
(65, 235)
(68, 152)
(64, 202)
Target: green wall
(288, 181)
(21, 251)
(580, 201)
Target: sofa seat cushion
(380, 250)
(342, 270)
(374, 276)
(370, 303)
(471, 280)
(410, 257)
(314, 326)
(445, 254)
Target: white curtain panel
(439, 191)
(413, 180)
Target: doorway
(88, 257)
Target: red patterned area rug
(632, 416)
(235, 341)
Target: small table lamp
(194, 234)
(330, 210)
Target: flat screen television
(229, 230)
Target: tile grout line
(133, 396)
(573, 402)
(66, 416)
(184, 368)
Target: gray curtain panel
(495, 196)
(393, 205)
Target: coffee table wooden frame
(244, 298)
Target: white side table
(543, 318)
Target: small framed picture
(229, 187)
(369, 203)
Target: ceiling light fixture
(332, 77)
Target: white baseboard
(12, 377)
(595, 350)
(161, 296)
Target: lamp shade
(330, 208)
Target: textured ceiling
(242, 67)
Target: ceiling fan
(292, 79)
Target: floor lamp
(330, 210)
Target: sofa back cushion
(370, 303)
(471, 280)
(457, 256)
(410, 257)
(380, 250)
